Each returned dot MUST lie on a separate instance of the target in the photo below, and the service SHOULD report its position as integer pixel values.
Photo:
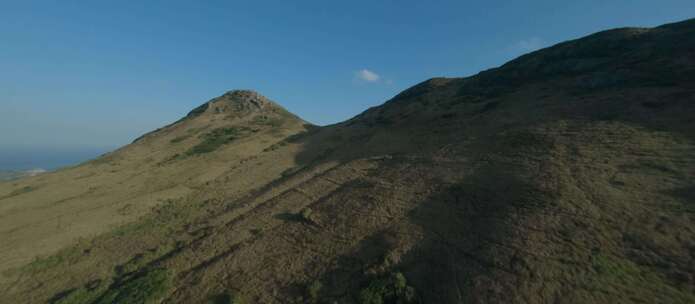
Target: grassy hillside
(45, 213)
(13, 175)
(564, 176)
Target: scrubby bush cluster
(306, 215)
(217, 138)
(313, 290)
(393, 289)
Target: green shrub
(399, 282)
(217, 138)
(375, 293)
(306, 214)
(391, 289)
(313, 291)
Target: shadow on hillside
(460, 224)
(686, 195)
(668, 110)
(324, 144)
(474, 231)
(348, 277)
(463, 225)
(638, 78)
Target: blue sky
(96, 74)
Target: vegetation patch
(150, 287)
(139, 261)
(313, 291)
(620, 276)
(276, 146)
(393, 289)
(216, 138)
(127, 229)
(294, 138)
(180, 139)
(65, 256)
(291, 171)
(264, 120)
(19, 191)
(307, 215)
(83, 295)
(134, 283)
(162, 219)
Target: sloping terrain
(42, 214)
(564, 176)
(12, 175)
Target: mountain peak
(236, 101)
(243, 96)
(235, 104)
(241, 100)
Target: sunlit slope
(40, 215)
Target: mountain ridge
(563, 176)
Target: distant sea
(46, 158)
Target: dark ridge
(198, 110)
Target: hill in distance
(564, 176)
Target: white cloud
(528, 45)
(367, 75)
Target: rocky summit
(564, 176)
